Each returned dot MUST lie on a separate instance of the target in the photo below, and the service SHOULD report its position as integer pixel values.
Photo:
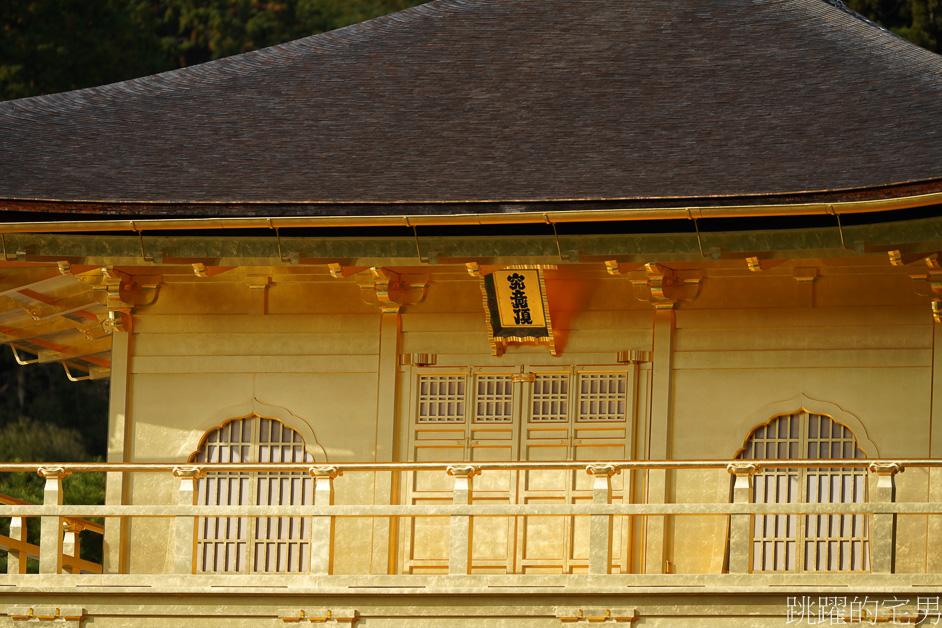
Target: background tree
(51, 46)
(919, 21)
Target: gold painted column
(114, 551)
(659, 435)
(934, 532)
(387, 406)
(883, 534)
(740, 525)
(50, 540)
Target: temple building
(490, 313)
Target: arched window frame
(808, 542)
(253, 544)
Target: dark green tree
(57, 45)
(919, 21)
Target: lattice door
(812, 542)
(253, 544)
(572, 415)
(462, 416)
(485, 414)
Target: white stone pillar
(184, 536)
(50, 540)
(600, 526)
(16, 559)
(322, 526)
(459, 543)
(883, 534)
(740, 525)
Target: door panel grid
(543, 415)
(253, 544)
(809, 542)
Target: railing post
(184, 537)
(322, 526)
(883, 534)
(740, 525)
(16, 559)
(600, 526)
(459, 541)
(71, 543)
(50, 539)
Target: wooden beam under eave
(48, 327)
(87, 350)
(33, 278)
(49, 307)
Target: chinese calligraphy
(518, 299)
(839, 610)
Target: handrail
(84, 524)
(596, 503)
(621, 465)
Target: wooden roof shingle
(503, 100)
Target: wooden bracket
(929, 284)
(391, 291)
(664, 287)
(125, 293)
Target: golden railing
(57, 552)
(19, 549)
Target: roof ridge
(179, 78)
(838, 4)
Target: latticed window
(441, 398)
(253, 544)
(808, 542)
(603, 396)
(493, 398)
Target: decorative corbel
(302, 616)
(64, 616)
(606, 616)
(664, 287)
(929, 284)
(391, 291)
(418, 359)
(339, 271)
(612, 267)
(124, 294)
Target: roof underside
(457, 101)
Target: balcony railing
(19, 549)
(58, 548)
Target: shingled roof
(497, 102)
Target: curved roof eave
(546, 102)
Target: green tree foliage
(57, 45)
(46, 418)
(919, 21)
(41, 395)
(26, 440)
